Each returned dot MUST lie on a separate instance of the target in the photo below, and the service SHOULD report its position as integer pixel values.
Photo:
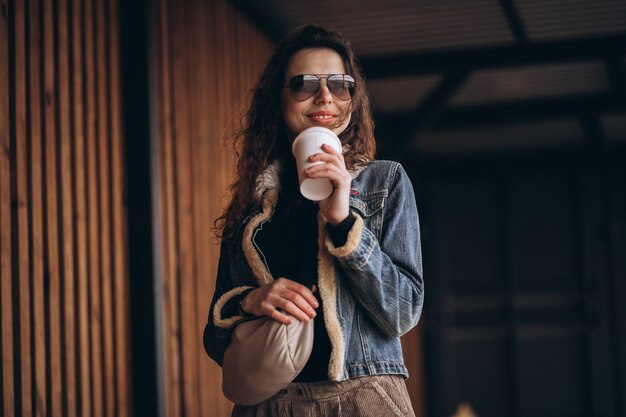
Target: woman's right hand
(283, 294)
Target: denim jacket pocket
(370, 207)
(368, 204)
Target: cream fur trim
(219, 305)
(328, 290)
(255, 262)
(354, 237)
(269, 179)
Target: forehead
(315, 61)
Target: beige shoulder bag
(264, 356)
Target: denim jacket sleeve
(385, 275)
(224, 312)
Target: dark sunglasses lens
(303, 86)
(342, 86)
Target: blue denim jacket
(372, 286)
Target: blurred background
(509, 116)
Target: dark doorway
(524, 259)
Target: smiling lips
(321, 116)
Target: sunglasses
(304, 86)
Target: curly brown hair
(262, 137)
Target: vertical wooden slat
(37, 214)
(105, 212)
(122, 337)
(82, 275)
(171, 401)
(185, 126)
(160, 56)
(6, 288)
(203, 78)
(218, 405)
(178, 76)
(21, 170)
(412, 343)
(67, 210)
(93, 215)
(170, 281)
(223, 56)
(175, 60)
(52, 260)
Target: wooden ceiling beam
(514, 21)
(518, 111)
(397, 65)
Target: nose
(323, 94)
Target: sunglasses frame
(346, 78)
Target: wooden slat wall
(64, 311)
(207, 58)
(64, 296)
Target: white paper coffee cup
(307, 143)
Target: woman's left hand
(336, 207)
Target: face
(323, 108)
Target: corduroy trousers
(369, 396)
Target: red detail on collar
(354, 192)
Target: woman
(351, 261)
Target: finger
(338, 166)
(336, 175)
(322, 167)
(279, 317)
(303, 304)
(335, 159)
(330, 149)
(289, 307)
(305, 293)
